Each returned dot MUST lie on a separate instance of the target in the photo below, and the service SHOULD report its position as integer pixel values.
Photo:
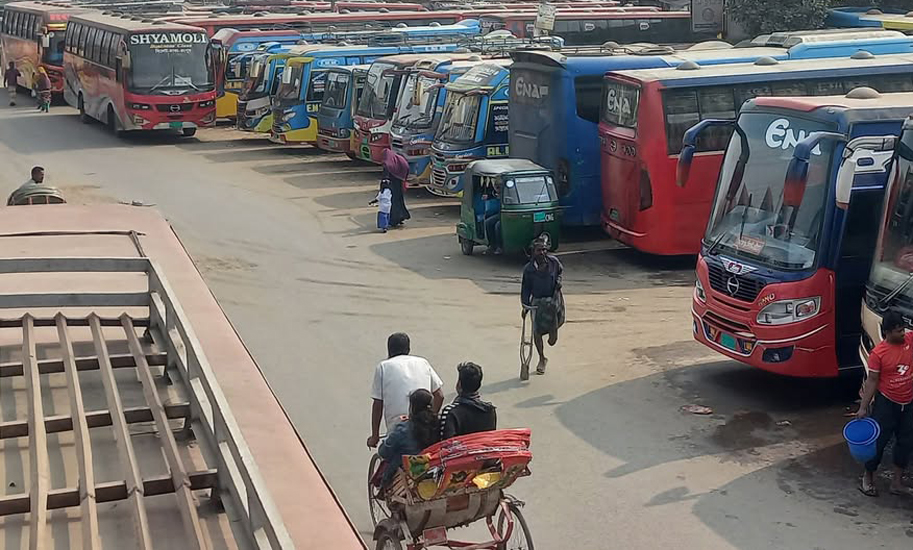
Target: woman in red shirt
(890, 384)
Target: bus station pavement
(286, 241)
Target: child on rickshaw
(411, 436)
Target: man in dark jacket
(468, 413)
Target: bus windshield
(893, 263)
(417, 101)
(255, 83)
(290, 83)
(53, 54)
(756, 214)
(337, 85)
(461, 115)
(376, 99)
(169, 61)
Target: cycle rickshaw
(452, 484)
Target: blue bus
(860, 16)
(402, 34)
(335, 117)
(298, 96)
(254, 113)
(793, 229)
(237, 48)
(474, 125)
(555, 101)
(418, 114)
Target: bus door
(495, 134)
(857, 230)
(536, 131)
(218, 64)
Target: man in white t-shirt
(394, 380)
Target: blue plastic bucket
(861, 435)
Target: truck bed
(131, 415)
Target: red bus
(580, 27)
(651, 109)
(32, 36)
(133, 74)
(317, 22)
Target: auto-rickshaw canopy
(518, 181)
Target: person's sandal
(540, 368)
(870, 492)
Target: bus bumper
(801, 349)
(334, 145)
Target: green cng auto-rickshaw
(506, 204)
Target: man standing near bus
(890, 384)
(540, 290)
(11, 81)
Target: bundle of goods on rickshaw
(477, 462)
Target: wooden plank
(39, 475)
(133, 481)
(94, 419)
(55, 366)
(110, 491)
(169, 445)
(71, 321)
(89, 519)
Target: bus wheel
(112, 122)
(188, 132)
(83, 117)
(466, 246)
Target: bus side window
(81, 45)
(30, 26)
(681, 113)
(789, 88)
(826, 86)
(17, 24)
(751, 91)
(100, 46)
(588, 90)
(716, 103)
(90, 44)
(892, 83)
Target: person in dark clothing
(411, 436)
(11, 81)
(396, 169)
(541, 290)
(43, 89)
(468, 414)
(889, 388)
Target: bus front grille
(740, 287)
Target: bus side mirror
(868, 154)
(689, 146)
(45, 41)
(125, 60)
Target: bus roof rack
(863, 92)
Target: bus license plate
(728, 342)
(365, 151)
(543, 217)
(176, 124)
(613, 214)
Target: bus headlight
(789, 311)
(699, 291)
(262, 111)
(289, 115)
(140, 106)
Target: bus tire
(113, 124)
(388, 540)
(188, 132)
(83, 117)
(466, 246)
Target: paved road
(285, 240)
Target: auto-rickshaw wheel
(466, 246)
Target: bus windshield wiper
(716, 243)
(161, 82)
(889, 297)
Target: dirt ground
(285, 239)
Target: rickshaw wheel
(376, 505)
(520, 538)
(389, 541)
(466, 246)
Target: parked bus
(419, 114)
(319, 22)
(888, 285)
(474, 125)
(401, 34)
(786, 252)
(32, 36)
(593, 27)
(647, 112)
(335, 117)
(254, 107)
(232, 45)
(377, 107)
(135, 75)
(298, 96)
